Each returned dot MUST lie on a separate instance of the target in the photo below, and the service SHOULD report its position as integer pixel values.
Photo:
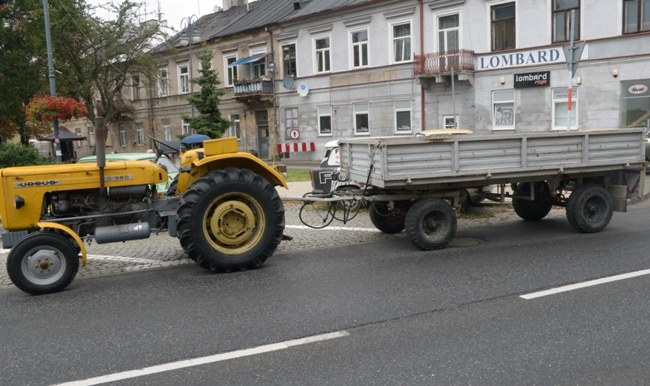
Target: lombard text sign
(533, 79)
(522, 58)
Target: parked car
(163, 161)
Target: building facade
(302, 73)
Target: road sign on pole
(573, 60)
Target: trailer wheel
(589, 208)
(532, 210)
(387, 221)
(230, 219)
(431, 224)
(43, 263)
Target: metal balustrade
(443, 62)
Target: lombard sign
(533, 79)
(522, 58)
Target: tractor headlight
(19, 202)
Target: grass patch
(295, 175)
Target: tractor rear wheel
(230, 219)
(43, 262)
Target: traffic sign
(577, 53)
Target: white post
(570, 66)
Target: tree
(209, 122)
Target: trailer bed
(480, 159)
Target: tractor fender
(239, 160)
(69, 232)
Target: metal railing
(443, 62)
(253, 87)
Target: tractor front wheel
(230, 219)
(42, 263)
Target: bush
(18, 155)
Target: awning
(250, 59)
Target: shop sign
(533, 79)
(538, 57)
(637, 89)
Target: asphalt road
(398, 315)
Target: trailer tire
(385, 220)
(589, 208)
(230, 220)
(532, 210)
(431, 224)
(42, 263)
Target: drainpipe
(275, 114)
(422, 94)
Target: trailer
(417, 183)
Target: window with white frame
(259, 67)
(234, 129)
(139, 130)
(361, 119)
(290, 121)
(560, 108)
(359, 48)
(185, 128)
(402, 42)
(450, 121)
(403, 117)
(503, 110)
(91, 136)
(166, 129)
(449, 42)
(77, 131)
(163, 82)
(183, 79)
(322, 54)
(324, 120)
(231, 71)
(122, 135)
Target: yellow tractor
(224, 209)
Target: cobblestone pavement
(161, 250)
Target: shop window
(635, 103)
(560, 108)
(503, 110)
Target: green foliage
(209, 122)
(18, 155)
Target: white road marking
(589, 283)
(330, 228)
(205, 360)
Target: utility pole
(50, 66)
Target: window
(91, 136)
(122, 135)
(259, 67)
(448, 41)
(234, 129)
(562, 18)
(139, 129)
(289, 59)
(166, 128)
(503, 110)
(636, 16)
(635, 103)
(449, 122)
(185, 128)
(163, 79)
(290, 120)
(324, 120)
(361, 118)
(560, 112)
(402, 42)
(322, 54)
(231, 71)
(503, 26)
(135, 83)
(403, 117)
(360, 48)
(183, 80)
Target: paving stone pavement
(161, 250)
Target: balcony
(255, 87)
(442, 63)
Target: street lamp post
(186, 23)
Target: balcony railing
(253, 87)
(439, 63)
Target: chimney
(227, 4)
